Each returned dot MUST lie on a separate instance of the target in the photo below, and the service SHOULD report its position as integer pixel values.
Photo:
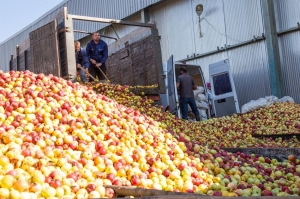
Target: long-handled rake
(91, 76)
(107, 80)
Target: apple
(109, 193)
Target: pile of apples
(62, 140)
(236, 131)
(240, 174)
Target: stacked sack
(201, 102)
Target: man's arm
(85, 61)
(105, 54)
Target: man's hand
(86, 70)
(78, 66)
(99, 64)
(93, 61)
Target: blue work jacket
(82, 58)
(97, 52)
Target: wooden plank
(113, 71)
(44, 50)
(137, 192)
(137, 63)
(277, 153)
(195, 196)
(70, 55)
(274, 136)
(158, 60)
(15, 64)
(111, 21)
(21, 65)
(123, 54)
(28, 65)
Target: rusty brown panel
(21, 66)
(123, 54)
(43, 45)
(151, 74)
(14, 64)
(125, 65)
(137, 62)
(138, 72)
(138, 75)
(62, 54)
(113, 69)
(29, 65)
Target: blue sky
(17, 14)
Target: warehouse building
(259, 37)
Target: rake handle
(88, 73)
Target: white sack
(286, 99)
(260, 103)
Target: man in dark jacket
(97, 52)
(82, 61)
(186, 85)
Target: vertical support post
(17, 57)
(25, 59)
(70, 49)
(158, 58)
(272, 47)
(11, 62)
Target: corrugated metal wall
(249, 64)
(223, 23)
(116, 9)
(287, 16)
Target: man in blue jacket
(82, 61)
(97, 52)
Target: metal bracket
(65, 29)
(163, 76)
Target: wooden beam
(278, 153)
(138, 192)
(197, 196)
(111, 21)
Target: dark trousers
(184, 102)
(95, 72)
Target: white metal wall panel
(249, 66)
(212, 26)
(173, 20)
(287, 13)
(243, 20)
(177, 23)
(287, 16)
(290, 64)
(116, 9)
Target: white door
(224, 96)
(172, 90)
